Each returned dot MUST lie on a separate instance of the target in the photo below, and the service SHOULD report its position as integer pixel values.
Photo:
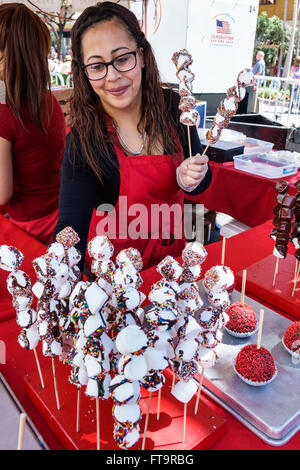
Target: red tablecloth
(241, 251)
(244, 196)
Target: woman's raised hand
(192, 170)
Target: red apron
(149, 212)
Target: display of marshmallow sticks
(157, 356)
(283, 222)
(160, 319)
(68, 257)
(121, 283)
(48, 309)
(185, 367)
(228, 107)
(19, 286)
(87, 301)
(295, 235)
(55, 279)
(130, 342)
(78, 312)
(78, 375)
(189, 299)
(217, 282)
(163, 315)
(175, 299)
(189, 115)
(126, 283)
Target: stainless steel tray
(273, 411)
(10, 409)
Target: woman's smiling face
(104, 42)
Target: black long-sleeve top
(81, 191)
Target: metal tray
(10, 409)
(272, 412)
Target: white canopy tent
(219, 34)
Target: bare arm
(6, 171)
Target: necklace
(132, 152)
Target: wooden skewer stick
(199, 390)
(22, 424)
(158, 404)
(223, 251)
(260, 326)
(184, 423)
(297, 272)
(189, 141)
(295, 277)
(39, 368)
(243, 287)
(55, 385)
(173, 381)
(276, 271)
(98, 423)
(78, 411)
(146, 421)
(205, 149)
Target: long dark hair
(25, 44)
(88, 119)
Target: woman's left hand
(192, 170)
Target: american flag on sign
(223, 27)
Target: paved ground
(9, 425)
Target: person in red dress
(32, 124)
(126, 151)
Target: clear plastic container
(258, 165)
(257, 146)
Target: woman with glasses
(126, 152)
(32, 124)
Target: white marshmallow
(156, 359)
(93, 323)
(133, 367)
(127, 413)
(26, 317)
(95, 297)
(186, 349)
(184, 391)
(124, 392)
(10, 258)
(131, 339)
(100, 248)
(92, 388)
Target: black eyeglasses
(122, 63)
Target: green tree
(58, 21)
(269, 34)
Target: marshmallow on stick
(19, 286)
(127, 298)
(282, 221)
(228, 107)
(68, 257)
(131, 342)
(295, 236)
(189, 116)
